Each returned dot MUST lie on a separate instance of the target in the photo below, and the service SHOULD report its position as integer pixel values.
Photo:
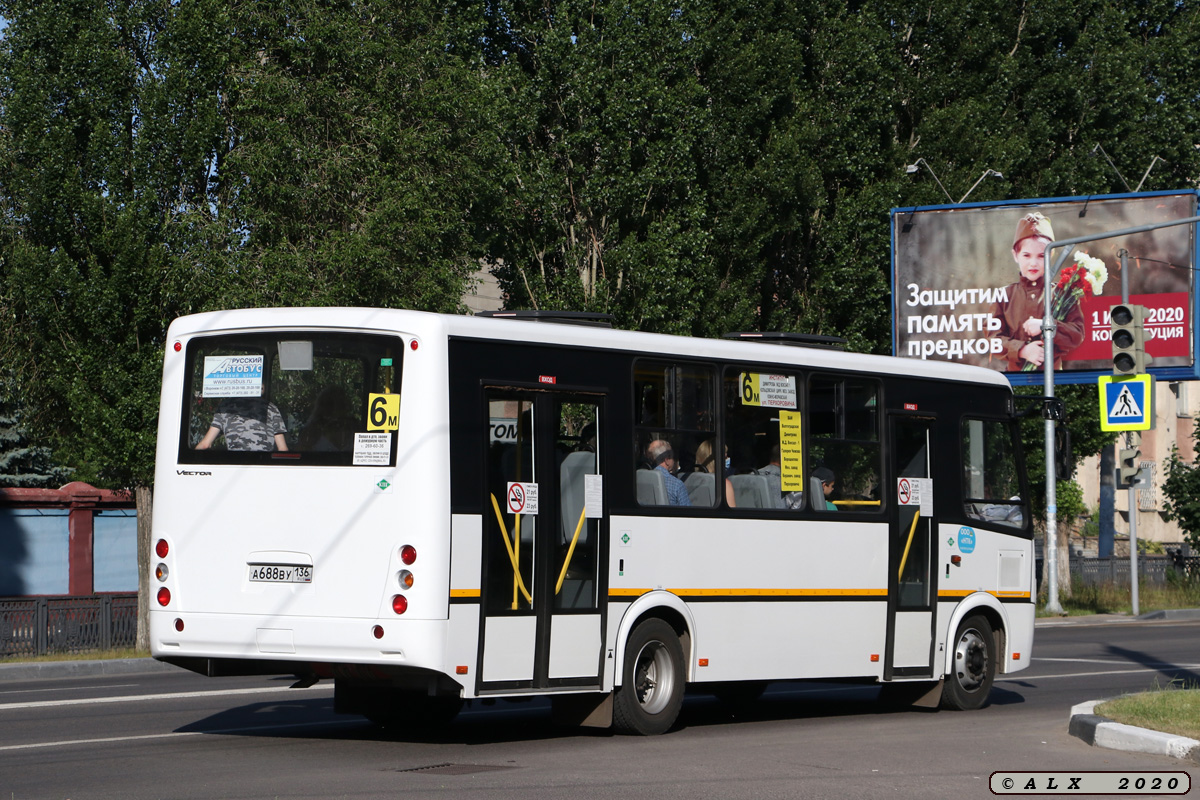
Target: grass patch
(1109, 598)
(90, 655)
(1170, 710)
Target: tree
(1181, 493)
(106, 112)
(23, 464)
(353, 168)
(800, 166)
(599, 117)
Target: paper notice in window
(372, 449)
(791, 453)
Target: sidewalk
(38, 670)
(1103, 732)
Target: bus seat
(701, 487)
(651, 488)
(752, 491)
(775, 489)
(816, 494)
(571, 475)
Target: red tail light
(162, 548)
(399, 604)
(408, 554)
(164, 596)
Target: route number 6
(384, 412)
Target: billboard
(967, 283)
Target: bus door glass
(911, 591)
(542, 532)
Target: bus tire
(974, 669)
(648, 700)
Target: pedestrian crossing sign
(1126, 403)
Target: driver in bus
(663, 457)
(249, 424)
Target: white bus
(432, 509)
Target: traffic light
(1128, 339)
(1127, 460)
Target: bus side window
(676, 422)
(991, 483)
(762, 424)
(844, 435)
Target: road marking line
(85, 701)
(1112, 661)
(64, 689)
(1021, 676)
(171, 735)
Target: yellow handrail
(516, 557)
(857, 502)
(904, 558)
(570, 551)
(511, 555)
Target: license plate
(280, 573)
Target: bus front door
(911, 589)
(542, 621)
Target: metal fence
(35, 626)
(1151, 569)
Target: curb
(1103, 732)
(80, 669)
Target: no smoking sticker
(522, 498)
(916, 492)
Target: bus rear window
(291, 398)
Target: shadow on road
(529, 720)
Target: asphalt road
(177, 735)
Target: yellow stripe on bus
(464, 593)
(882, 593)
(965, 592)
(756, 592)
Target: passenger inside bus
(248, 424)
(330, 426)
(824, 480)
(701, 482)
(662, 456)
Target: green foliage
(158, 159)
(355, 158)
(1108, 598)
(23, 464)
(689, 169)
(1181, 493)
(1069, 498)
(600, 118)
(89, 197)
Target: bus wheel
(967, 687)
(651, 691)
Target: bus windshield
(289, 397)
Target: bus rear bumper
(230, 644)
